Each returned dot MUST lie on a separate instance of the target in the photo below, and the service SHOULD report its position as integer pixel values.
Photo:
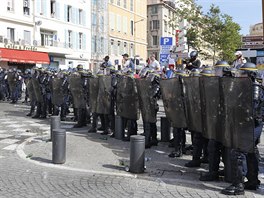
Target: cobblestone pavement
(21, 178)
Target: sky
(244, 12)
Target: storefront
(21, 57)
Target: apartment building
(127, 29)
(52, 33)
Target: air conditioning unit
(5, 40)
(22, 42)
(35, 42)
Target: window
(52, 8)
(132, 5)
(155, 40)
(132, 27)
(119, 48)
(112, 18)
(154, 25)
(80, 16)
(125, 47)
(131, 52)
(94, 44)
(94, 16)
(69, 13)
(26, 7)
(11, 34)
(165, 26)
(118, 18)
(154, 10)
(125, 25)
(118, 2)
(27, 37)
(80, 40)
(10, 5)
(46, 38)
(112, 46)
(70, 39)
(125, 4)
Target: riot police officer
(237, 188)
(179, 136)
(194, 62)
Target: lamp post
(135, 40)
(263, 20)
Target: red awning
(24, 56)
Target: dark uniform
(237, 187)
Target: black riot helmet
(195, 72)
(222, 68)
(207, 72)
(193, 54)
(249, 69)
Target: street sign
(252, 38)
(166, 41)
(182, 55)
(163, 58)
(252, 46)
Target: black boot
(146, 126)
(210, 176)
(176, 153)
(193, 163)
(234, 189)
(93, 129)
(252, 173)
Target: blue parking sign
(166, 41)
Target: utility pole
(263, 19)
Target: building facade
(99, 37)
(256, 30)
(58, 28)
(160, 17)
(127, 29)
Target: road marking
(5, 135)
(11, 147)
(27, 134)
(9, 141)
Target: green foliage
(213, 31)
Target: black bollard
(59, 146)
(54, 124)
(119, 128)
(227, 169)
(137, 154)
(165, 129)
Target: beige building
(256, 30)
(127, 29)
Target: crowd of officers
(125, 92)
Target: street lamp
(135, 34)
(135, 40)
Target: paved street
(95, 165)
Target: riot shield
(76, 90)
(11, 79)
(193, 104)
(93, 93)
(57, 91)
(210, 104)
(104, 95)
(30, 89)
(127, 98)
(37, 90)
(173, 100)
(237, 113)
(147, 103)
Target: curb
(22, 155)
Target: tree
(211, 30)
(230, 39)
